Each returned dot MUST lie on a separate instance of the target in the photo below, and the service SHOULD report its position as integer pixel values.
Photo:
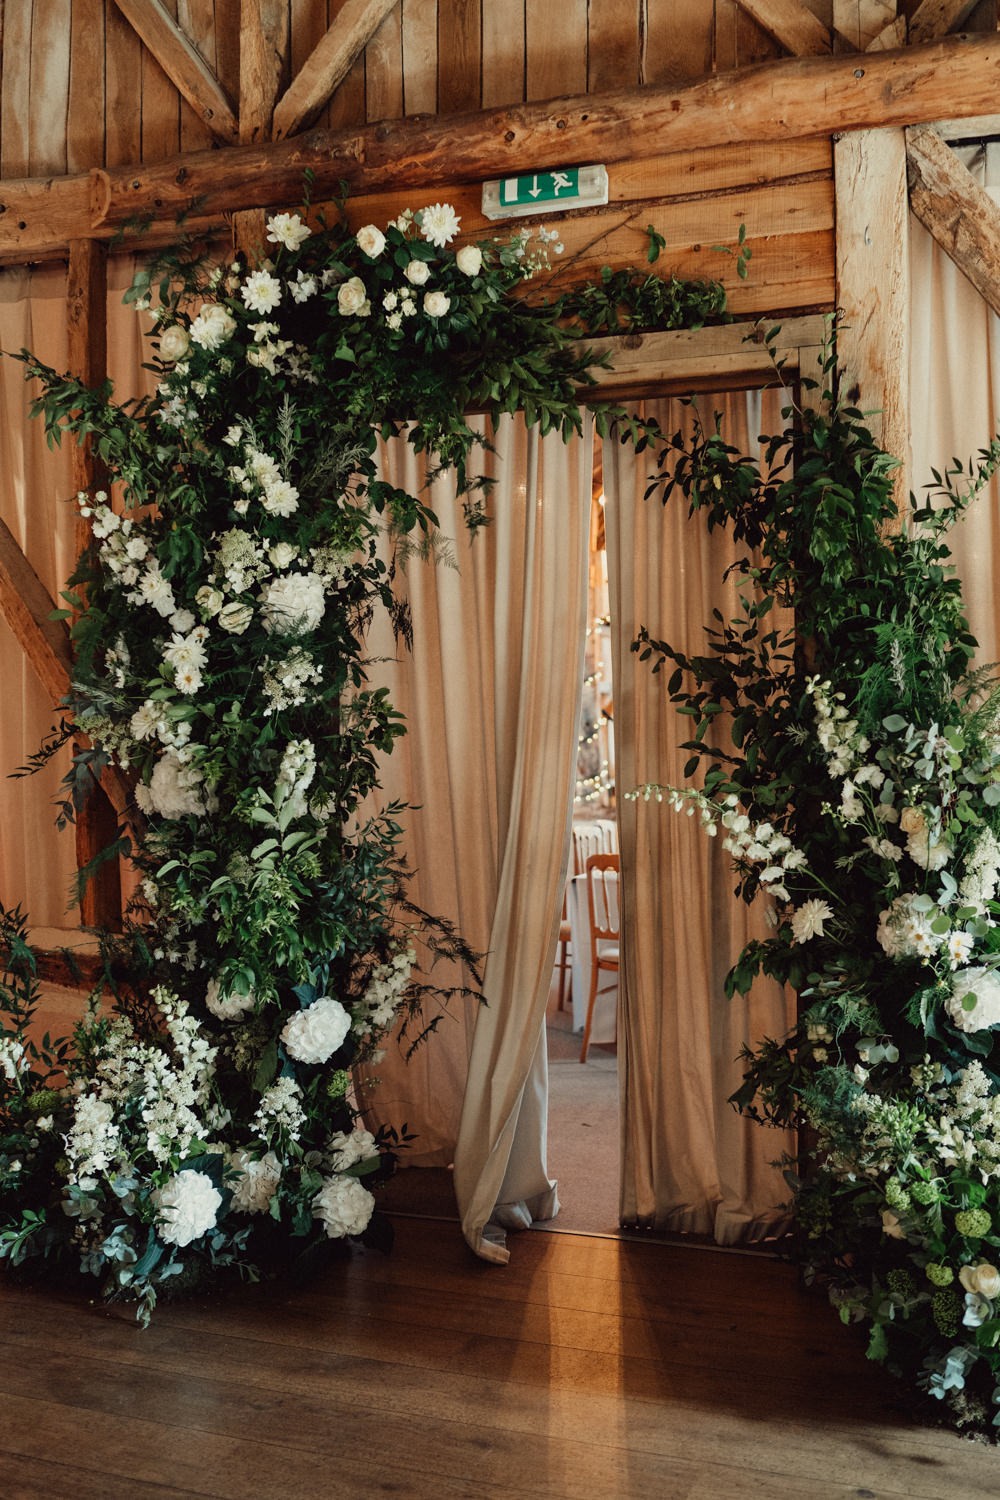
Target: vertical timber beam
(873, 288)
(263, 45)
(86, 317)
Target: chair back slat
(603, 872)
(587, 839)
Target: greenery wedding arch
(219, 619)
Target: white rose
(983, 1279)
(282, 554)
(469, 260)
(371, 241)
(174, 343)
(187, 1207)
(417, 272)
(314, 1034)
(209, 601)
(235, 617)
(344, 1206)
(436, 304)
(213, 326)
(911, 820)
(352, 298)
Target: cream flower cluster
(285, 680)
(255, 1180)
(761, 844)
(295, 776)
(280, 1110)
(385, 989)
(974, 1002)
(343, 1207)
(842, 745)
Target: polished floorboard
(587, 1368)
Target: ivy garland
(853, 765)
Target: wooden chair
(588, 838)
(605, 925)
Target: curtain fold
(491, 693)
(955, 399)
(690, 1164)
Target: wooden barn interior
(858, 144)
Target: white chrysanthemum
(261, 292)
(287, 230)
(280, 498)
(808, 919)
(343, 1206)
(146, 722)
(230, 1004)
(314, 1034)
(213, 327)
(293, 604)
(439, 224)
(257, 1183)
(185, 651)
(156, 590)
(974, 1002)
(187, 1207)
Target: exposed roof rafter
(183, 64)
(961, 216)
(329, 64)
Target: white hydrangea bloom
(257, 1182)
(230, 1004)
(187, 1207)
(314, 1034)
(293, 604)
(981, 987)
(343, 1206)
(346, 1150)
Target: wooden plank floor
(587, 1368)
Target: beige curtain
(955, 399)
(689, 1162)
(491, 692)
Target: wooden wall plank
(384, 70)
(161, 105)
(123, 106)
(49, 87)
(555, 47)
(85, 126)
(613, 45)
(16, 89)
(503, 53)
(459, 55)
(420, 57)
(677, 43)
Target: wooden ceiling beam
(793, 98)
(935, 18)
(329, 64)
(961, 216)
(183, 65)
(791, 24)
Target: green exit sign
(545, 192)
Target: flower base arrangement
(238, 552)
(852, 767)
